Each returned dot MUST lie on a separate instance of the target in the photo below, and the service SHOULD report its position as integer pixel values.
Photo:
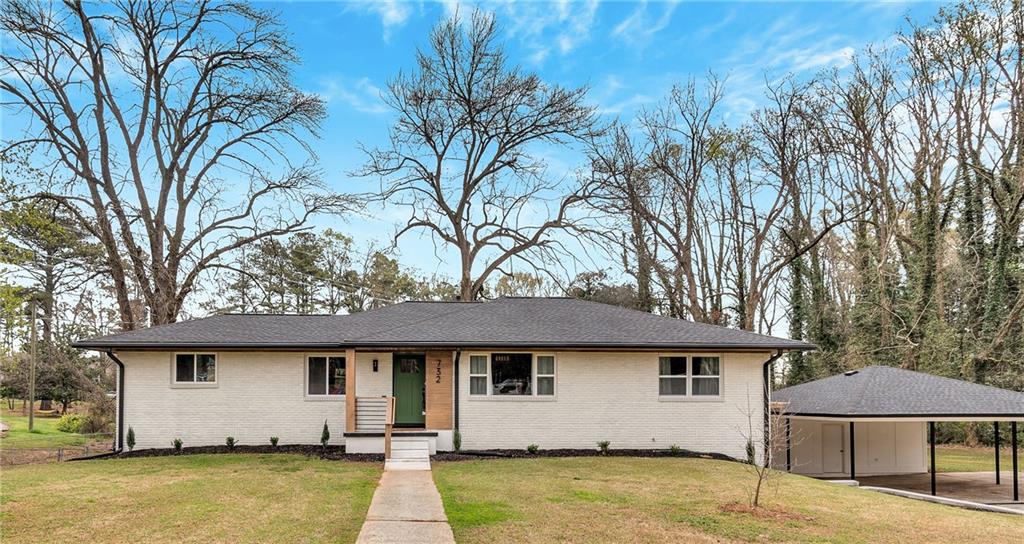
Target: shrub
(603, 446)
(532, 449)
(71, 423)
(131, 439)
(674, 449)
(273, 441)
(230, 441)
(177, 445)
(750, 451)
(457, 441)
(325, 435)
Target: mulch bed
(336, 453)
(523, 454)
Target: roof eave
(96, 345)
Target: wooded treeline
(874, 209)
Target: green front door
(408, 383)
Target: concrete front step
(407, 464)
(410, 444)
(422, 455)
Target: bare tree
(169, 130)
(462, 154)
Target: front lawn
(685, 500)
(192, 498)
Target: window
(510, 374)
(477, 374)
(545, 375)
(195, 368)
(706, 376)
(326, 375)
(672, 375)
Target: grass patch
(44, 435)
(194, 498)
(685, 500)
(966, 459)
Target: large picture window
(689, 376)
(325, 375)
(195, 368)
(512, 374)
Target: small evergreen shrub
(750, 451)
(273, 441)
(674, 449)
(603, 446)
(532, 449)
(71, 423)
(230, 441)
(457, 441)
(131, 439)
(177, 445)
(325, 436)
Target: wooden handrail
(389, 423)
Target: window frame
(489, 394)
(195, 360)
(324, 397)
(689, 376)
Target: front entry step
(409, 453)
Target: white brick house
(556, 372)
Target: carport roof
(889, 392)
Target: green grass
(192, 498)
(43, 435)
(685, 500)
(966, 459)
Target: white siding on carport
(882, 447)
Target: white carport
(881, 421)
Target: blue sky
(629, 54)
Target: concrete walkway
(406, 508)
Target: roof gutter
(766, 397)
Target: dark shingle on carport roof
(536, 322)
(883, 391)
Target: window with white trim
(195, 368)
(706, 376)
(477, 374)
(325, 375)
(512, 374)
(672, 376)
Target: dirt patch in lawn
(476, 455)
(334, 453)
(763, 512)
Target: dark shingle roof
(883, 391)
(538, 322)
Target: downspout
(766, 397)
(458, 355)
(119, 439)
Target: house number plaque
(437, 372)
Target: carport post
(853, 455)
(995, 428)
(1013, 444)
(931, 439)
(789, 445)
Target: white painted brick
(614, 397)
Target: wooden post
(931, 439)
(389, 424)
(995, 428)
(32, 367)
(350, 390)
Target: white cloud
(393, 13)
(541, 28)
(360, 94)
(640, 26)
